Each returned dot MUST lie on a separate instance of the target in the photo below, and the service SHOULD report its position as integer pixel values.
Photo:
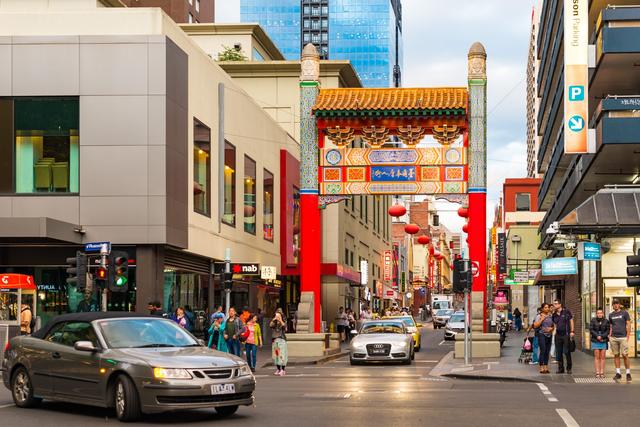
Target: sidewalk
(507, 368)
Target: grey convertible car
(134, 363)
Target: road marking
(569, 421)
(426, 361)
(545, 391)
(442, 342)
(8, 405)
(552, 399)
(542, 387)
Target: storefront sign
(268, 272)
(555, 266)
(364, 272)
(589, 251)
(576, 84)
(502, 253)
(387, 262)
(379, 288)
(245, 269)
(16, 281)
(390, 294)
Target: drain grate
(594, 380)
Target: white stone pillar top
(310, 69)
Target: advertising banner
(502, 253)
(589, 251)
(555, 266)
(576, 77)
(387, 263)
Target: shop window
(523, 202)
(229, 215)
(201, 168)
(6, 145)
(46, 144)
(249, 195)
(267, 188)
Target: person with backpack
(232, 330)
(27, 319)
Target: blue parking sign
(576, 93)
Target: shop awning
(610, 210)
(17, 281)
(38, 229)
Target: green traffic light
(121, 281)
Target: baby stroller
(527, 350)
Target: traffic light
(461, 275)
(118, 279)
(77, 270)
(228, 280)
(101, 273)
(633, 270)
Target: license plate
(223, 388)
(378, 351)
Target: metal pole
(466, 326)
(227, 270)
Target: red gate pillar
(310, 236)
(477, 79)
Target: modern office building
(366, 32)
(133, 136)
(593, 196)
(532, 99)
(181, 11)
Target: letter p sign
(576, 93)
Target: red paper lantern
(465, 228)
(411, 229)
(397, 210)
(463, 212)
(424, 240)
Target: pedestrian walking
(564, 328)
(342, 323)
(216, 336)
(232, 330)
(278, 327)
(191, 318)
(619, 333)
(599, 329)
(180, 318)
(253, 342)
(545, 324)
(351, 319)
(517, 317)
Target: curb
(490, 378)
(311, 362)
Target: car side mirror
(354, 332)
(418, 325)
(85, 346)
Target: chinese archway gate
(388, 125)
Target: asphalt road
(339, 394)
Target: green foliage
(231, 54)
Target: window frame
(233, 212)
(265, 173)
(528, 196)
(249, 160)
(207, 211)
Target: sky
(437, 35)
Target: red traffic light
(101, 273)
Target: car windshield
(145, 332)
(444, 312)
(458, 317)
(408, 322)
(382, 328)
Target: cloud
(227, 11)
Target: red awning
(17, 281)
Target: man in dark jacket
(563, 321)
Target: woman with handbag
(252, 340)
(278, 327)
(599, 328)
(544, 323)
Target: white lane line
(8, 405)
(569, 421)
(542, 387)
(545, 391)
(427, 361)
(552, 399)
(442, 342)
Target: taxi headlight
(171, 374)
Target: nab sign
(243, 269)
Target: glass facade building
(366, 32)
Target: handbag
(527, 345)
(572, 345)
(244, 334)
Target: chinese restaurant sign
(437, 170)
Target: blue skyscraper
(366, 32)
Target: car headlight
(171, 374)
(244, 371)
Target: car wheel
(126, 399)
(408, 361)
(413, 355)
(22, 389)
(226, 411)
